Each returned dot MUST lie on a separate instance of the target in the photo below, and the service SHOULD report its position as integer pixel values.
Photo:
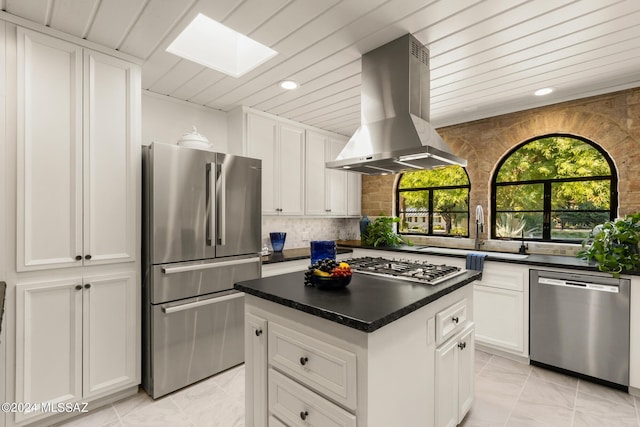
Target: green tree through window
(434, 202)
(553, 188)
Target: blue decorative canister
(364, 223)
(322, 249)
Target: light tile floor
(507, 394)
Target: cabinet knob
(87, 257)
(304, 415)
(462, 345)
(258, 332)
(87, 286)
(78, 287)
(455, 319)
(78, 257)
(304, 360)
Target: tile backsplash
(300, 231)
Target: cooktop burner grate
(403, 269)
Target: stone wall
(611, 120)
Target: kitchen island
(380, 352)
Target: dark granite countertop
(295, 254)
(534, 260)
(367, 304)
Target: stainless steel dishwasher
(579, 324)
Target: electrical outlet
(305, 235)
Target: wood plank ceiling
(487, 56)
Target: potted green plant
(381, 233)
(614, 245)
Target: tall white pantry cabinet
(73, 159)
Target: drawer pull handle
(462, 345)
(304, 415)
(258, 332)
(455, 319)
(303, 361)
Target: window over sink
(553, 187)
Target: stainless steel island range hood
(395, 134)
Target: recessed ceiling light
(543, 91)
(288, 84)
(209, 43)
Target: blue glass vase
(277, 241)
(321, 249)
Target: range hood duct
(395, 134)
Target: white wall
(165, 120)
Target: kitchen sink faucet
(479, 226)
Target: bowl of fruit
(328, 274)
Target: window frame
(547, 184)
(431, 212)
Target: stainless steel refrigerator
(201, 234)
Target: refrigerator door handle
(211, 209)
(196, 304)
(221, 205)
(206, 266)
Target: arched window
(434, 202)
(553, 188)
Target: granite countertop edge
(362, 325)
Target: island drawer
(451, 320)
(296, 405)
(321, 366)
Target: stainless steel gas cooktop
(404, 269)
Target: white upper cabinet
(354, 192)
(280, 146)
(329, 192)
(78, 149)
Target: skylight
(209, 43)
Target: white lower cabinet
(323, 367)
(501, 308)
(255, 344)
(499, 318)
(296, 405)
(76, 339)
(454, 378)
(303, 370)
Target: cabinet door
(504, 328)
(336, 181)
(111, 155)
(111, 333)
(48, 342)
(49, 132)
(261, 144)
(466, 348)
(291, 170)
(255, 345)
(446, 377)
(316, 183)
(354, 194)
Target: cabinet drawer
(325, 368)
(296, 405)
(505, 277)
(450, 320)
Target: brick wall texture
(611, 121)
